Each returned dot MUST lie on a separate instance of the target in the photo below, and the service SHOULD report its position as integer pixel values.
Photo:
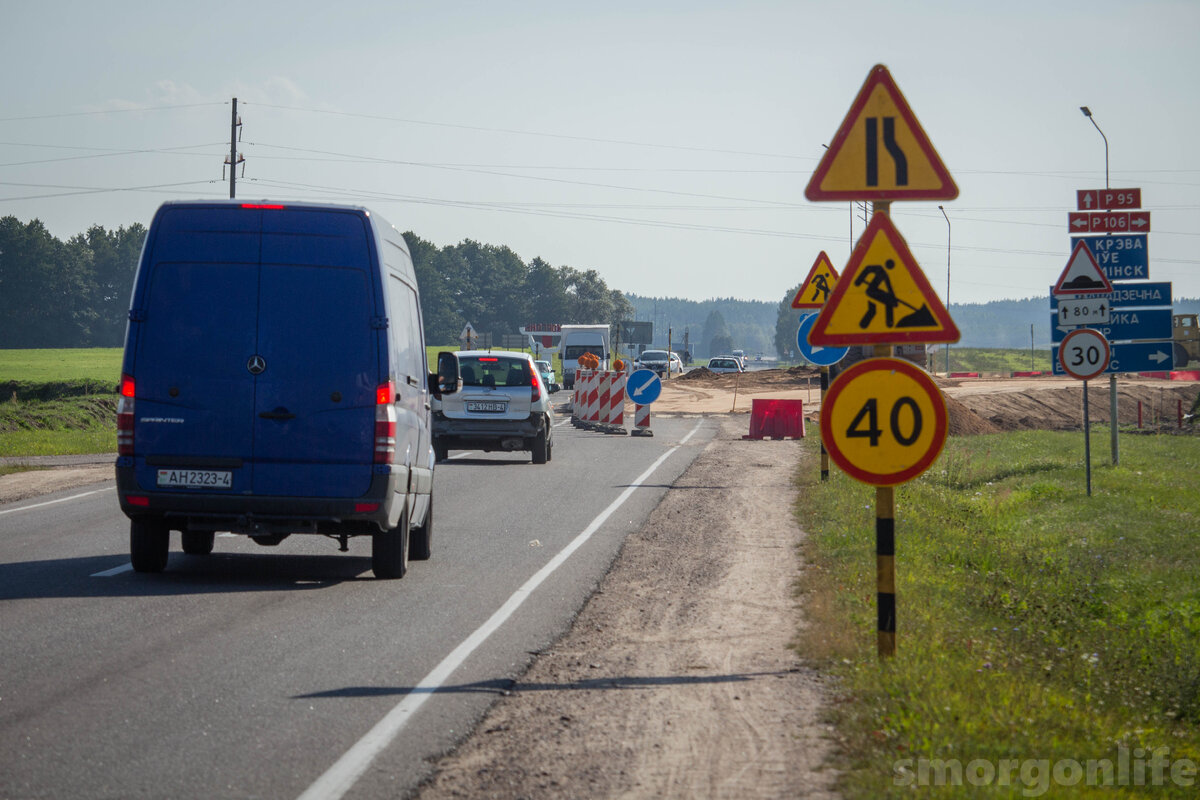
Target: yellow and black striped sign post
(883, 420)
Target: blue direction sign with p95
(1123, 258)
(821, 356)
(643, 386)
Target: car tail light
(125, 417)
(385, 423)
(270, 206)
(535, 384)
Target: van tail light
(535, 384)
(125, 407)
(385, 423)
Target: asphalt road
(290, 672)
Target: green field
(49, 366)
(1037, 628)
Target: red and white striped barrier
(616, 404)
(641, 421)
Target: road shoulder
(677, 679)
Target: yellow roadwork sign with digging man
(815, 290)
(882, 297)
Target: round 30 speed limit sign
(884, 421)
(1084, 353)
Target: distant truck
(579, 339)
(1187, 339)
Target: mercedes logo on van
(257, 365)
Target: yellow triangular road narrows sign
(881, 152)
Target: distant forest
(76, 294)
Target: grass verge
(1047, 642)
(71, 426)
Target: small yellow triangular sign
(816, 287)
(880, 152)
(882, 297)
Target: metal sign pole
(1087, 440)
(824, 452)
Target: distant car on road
(502, 406)
(722, 364)
(659, 361)
(546, 371)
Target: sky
(667, 145)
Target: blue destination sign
(1123, 258)
(1131, 295)
(1124, 325)
(1131, 357)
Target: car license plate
(488, 406)
(195, 478)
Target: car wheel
(389, 550)
(541, 448)
(149, 541)
(198, 543)
(440, 450)
(420, 542)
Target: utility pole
(233, 157)
(233, 151)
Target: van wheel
(420, 541)
(149, 541)
(541, 451)
(389, 550)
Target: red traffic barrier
(776, 419)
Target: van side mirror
(447, 380)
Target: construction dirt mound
(975, 405)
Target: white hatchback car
(503, 405)
(720, 364)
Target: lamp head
(1087, 112)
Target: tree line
(76, 293)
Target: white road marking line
(59, 500)
(345, 772)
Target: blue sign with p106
(1124, 257)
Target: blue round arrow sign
(643, 387)
(821, 356)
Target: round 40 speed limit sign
(884, 421)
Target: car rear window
(494, 371)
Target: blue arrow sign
(1123, 257)
(643, 387)
(821, 356)
(1124, 324)
(1131, 357)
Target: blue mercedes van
(274, 382)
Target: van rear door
(319, 335)
(195, 328)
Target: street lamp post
(1112, 379)
(943, 210)
(1087, 112)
